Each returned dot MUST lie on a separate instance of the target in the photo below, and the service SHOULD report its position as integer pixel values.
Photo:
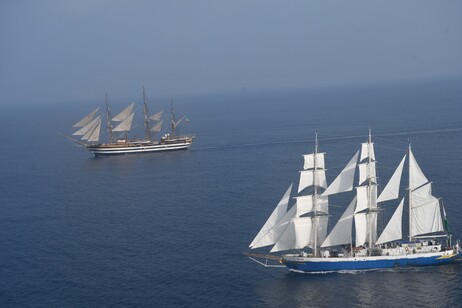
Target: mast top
(316, 142)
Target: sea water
(169, 229)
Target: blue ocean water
(168, 229)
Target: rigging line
(329, 139)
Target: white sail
(157, 116)
(309, 161)
(373, 229)
(296, 236)
(361, 229)
(365, 224)
(344, 181)
(275, 217)
(322, 229)
(425, 212)
(125, 125)
(341, 233)
(124, 114)
(391, 190)
(365, 200)
(362, 199)
(84, 130)
(305, 205)
(393, 230)
(365, 149)
(157, 127)
(373, 200)
(322, 204)
(416, 176)
(90, 132)
(87, 119)
(94, 137)
(307, 179)
(367, 170)
(273, 235)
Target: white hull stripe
(138, 149)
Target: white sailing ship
(119, 126)
(353, 244)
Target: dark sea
(169, 229)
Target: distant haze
(62, 51)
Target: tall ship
(118, 128)
(299, 235)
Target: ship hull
(309, 264)
(137, 148)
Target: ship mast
(146, 117)
(173, 119)
(108, 121)
(369, 185)
(315, 218)
(410, 191)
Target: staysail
(273, 235)
(341, 233)
(122, 116)
(344, 181)
(274, 219)
(157, 116)
(89, 126)
(156, 128)
(125, 125)
(94, 136)
(87, 119)
(393, 230)
(391, 190)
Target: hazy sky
(62, 51)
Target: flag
(446, 226)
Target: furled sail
(275, 218)
(393, 230)
(425, 212)
(127, 112)
(344, 181)
(366, 148)
(307, 179)
(87, 119)
(341, 233)
(156, 128)
(391, 190)
(157, 116)
(125, 125)
(309, 161)
(89, 126)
